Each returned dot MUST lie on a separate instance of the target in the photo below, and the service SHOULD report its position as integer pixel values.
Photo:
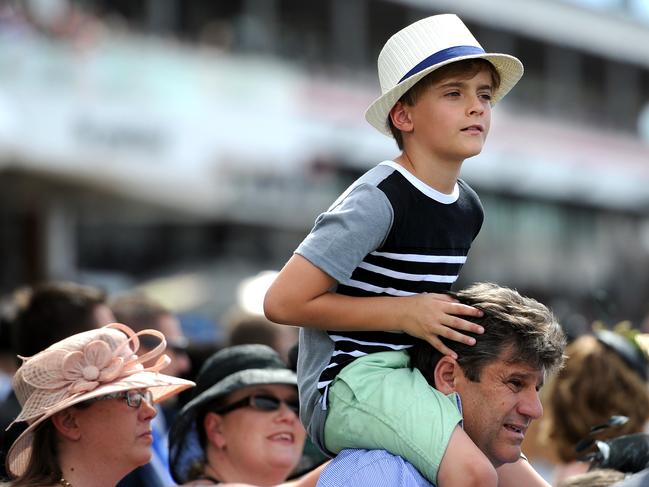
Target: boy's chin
(472, 153)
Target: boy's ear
(66, 424)
(400, 116)
(445, 374)
(213, 424)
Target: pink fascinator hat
(81, 367)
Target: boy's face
(451, 119)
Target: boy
(376, 261)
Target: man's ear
(213, 424)
(67, 424)
(446, 372)
(400, 116)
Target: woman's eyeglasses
(133, 397)
(261, 402)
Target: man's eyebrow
(527, 376)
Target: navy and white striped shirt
(423, 252)
(388, 234)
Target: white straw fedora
(423, 47)
(81, 367)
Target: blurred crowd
(35, 318)
(593, 431)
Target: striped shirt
(423, 252)
(371, 468)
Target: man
(495, 384)
(141, 312)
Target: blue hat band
(441, 56)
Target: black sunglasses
(261, 402)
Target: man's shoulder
(376, 468)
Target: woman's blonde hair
(594, 385)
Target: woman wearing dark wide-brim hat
(242, 424)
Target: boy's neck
(439, 175)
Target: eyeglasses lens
(135, 398)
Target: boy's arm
(519, 473)
(301, 296)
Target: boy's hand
(438, 315)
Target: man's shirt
(371, 468)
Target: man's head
(141, 312)
(498, 378)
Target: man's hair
(55, 311)
(466, 68)
(138, 311)
(595, 384)
(518, 325)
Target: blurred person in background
(46, 314)
(605, 375)
(8, 364)
(596, 478)
(8, 359)
(56, 310)
(141, 312)
(247, 328)
(88, 403)
(242, 425)
(620, 461)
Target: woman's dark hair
(43, 467)
(197, 470)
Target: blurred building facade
(141, 138)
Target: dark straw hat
(226, 371)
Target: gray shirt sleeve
(355, 225)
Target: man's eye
(516, 384)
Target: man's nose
(530, 405)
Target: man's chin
(510, 455)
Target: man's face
(498, 410)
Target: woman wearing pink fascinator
(88, 402)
